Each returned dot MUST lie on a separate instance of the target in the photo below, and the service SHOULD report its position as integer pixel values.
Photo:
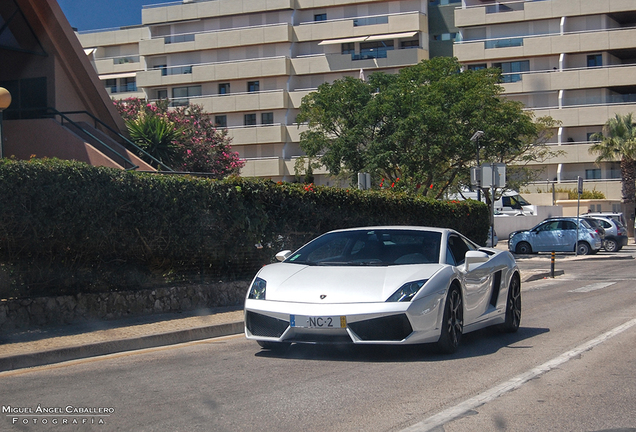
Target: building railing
(509, 41)
(182, 69)
(190, 36)
(130, 87)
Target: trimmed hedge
(69, 227)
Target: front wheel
(583, 248)
(452, 322)
(523, 248)
(513, 306)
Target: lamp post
(5, 101)
(475, 139)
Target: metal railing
(127, 143)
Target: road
(569, 368)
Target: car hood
(339, 284)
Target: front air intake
(262, 325)
(391, 328)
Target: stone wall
(25, 314)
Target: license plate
(320, 322)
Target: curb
(23, 361)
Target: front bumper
(366, 323)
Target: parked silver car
(615, 232)
(558, 235)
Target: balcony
(240, 69)
(241, 102)
(476, 13)
(351, 27)
(180, 11)
(262, 134)
(207, 40)
(324, 63)
(547, 44)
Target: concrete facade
(250, 62)
(574, 60)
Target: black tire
(452, 322)
(523, 248)
(274, 346)
(611, 245)
(513, 306)
(583, 248)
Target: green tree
(156, 135)
(617, 141)
(416, 126)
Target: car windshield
(382, 247)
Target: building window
(593, 174)
(590, 138)
(370, 50)
(594, 60)
(445, 37)
(249, 119)
(410, 44)
(348, 48)
(510, 70)
(111, 85)
(252, 86)
(130, 84)
(320, 17)
(163, 68)
(267, 118)
(224, 88)
(162, 94)
(370, 21)
(479, 66)
(220, 121)
(181, 95)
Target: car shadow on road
(480, 343)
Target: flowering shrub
(198, 145)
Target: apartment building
(574, 60)
(250, 62)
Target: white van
(510, 204)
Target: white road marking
(592, 287)
(512, 384)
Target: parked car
(615, 232)
(558, 235)
(617, 216)
(383, 285)
(597, 225)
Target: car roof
(397, 227)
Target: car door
(567, 237)
(547, 237)
(477, 279)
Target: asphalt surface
(76, 341)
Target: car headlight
(407, 291)
(257, 290)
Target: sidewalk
(71, 342)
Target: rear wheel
(611, 245)
(274, 346)
(513, 306)
(583, 248)
(452, 322)
(523, 248)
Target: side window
(568, 225)
(458, 249)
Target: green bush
(68, 227)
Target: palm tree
(617, 141)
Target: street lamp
(475, 139)
(5, 101)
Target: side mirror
(475, 257)
(283, 255)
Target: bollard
(552, 265)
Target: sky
(102, 14)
